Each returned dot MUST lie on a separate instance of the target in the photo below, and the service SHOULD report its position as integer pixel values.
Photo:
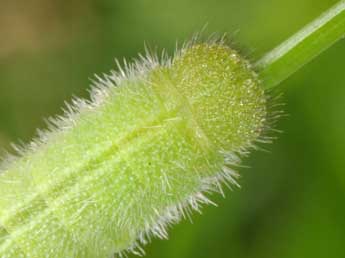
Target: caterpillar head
(224, 94)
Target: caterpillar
(116, 170)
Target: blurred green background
(291, 203)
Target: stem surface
(278, 64)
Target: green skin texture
(112, 174)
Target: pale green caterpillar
(140, 155)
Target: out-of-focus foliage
(291, 201)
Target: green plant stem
(287, 58)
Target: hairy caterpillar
(141, 154)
